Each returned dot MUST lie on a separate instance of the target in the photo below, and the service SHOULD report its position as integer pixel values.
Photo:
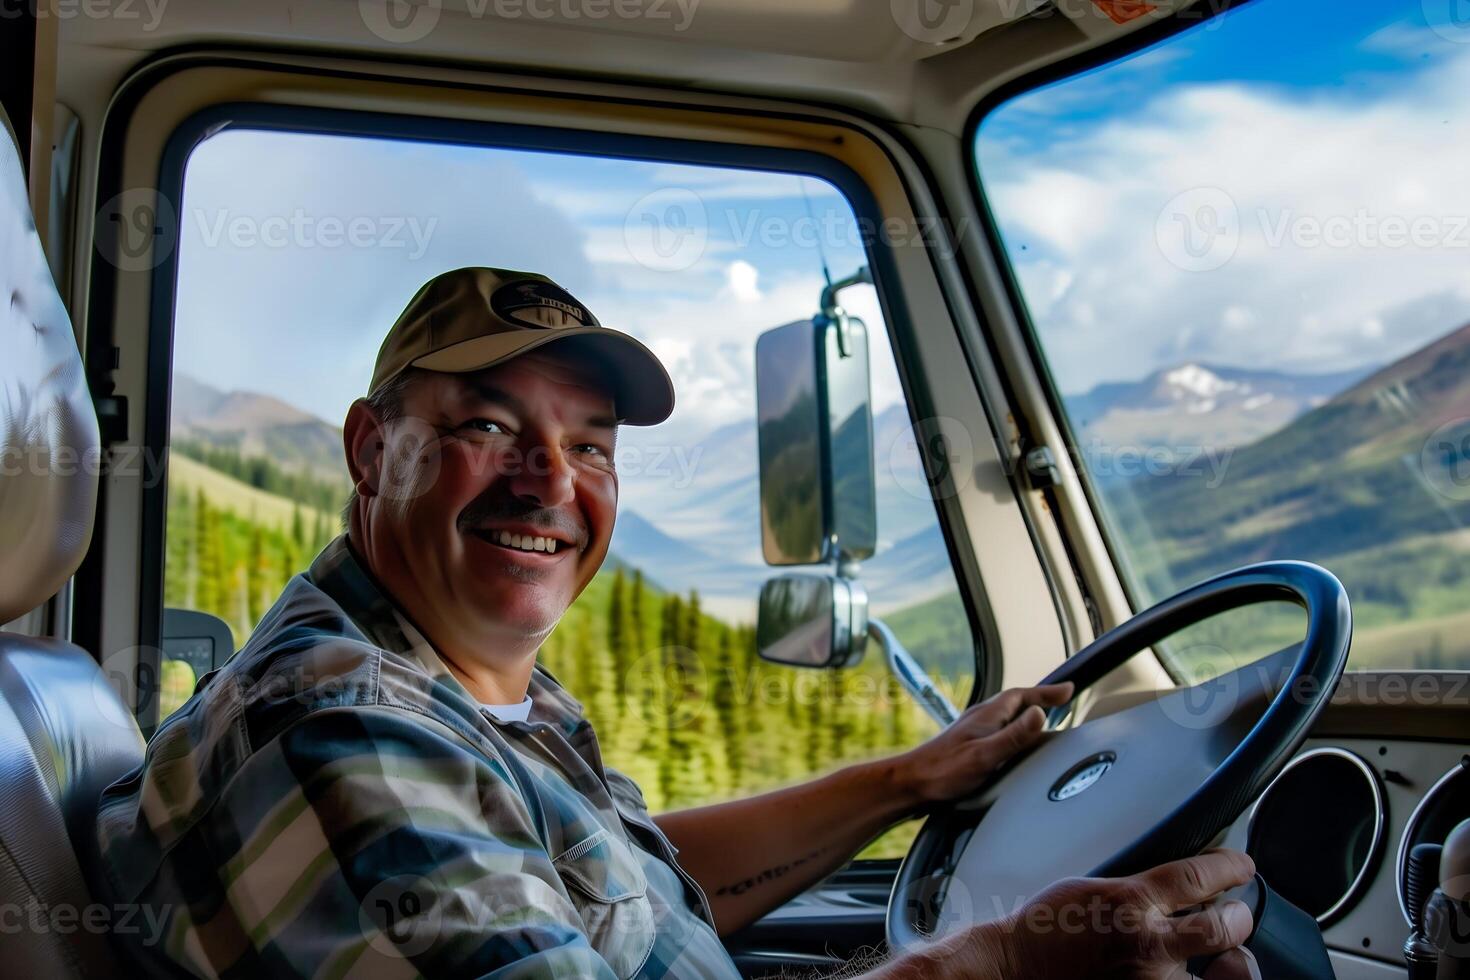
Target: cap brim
(642, 389)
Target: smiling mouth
(527, 543)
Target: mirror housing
(810, 620)
(815, 434)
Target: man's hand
(957, 760)
(1141, 928)
(1144, 927)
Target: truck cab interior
(1124, 342)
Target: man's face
(498, 499)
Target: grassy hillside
(1346, 485)
(189, 477)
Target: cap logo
(533, 303)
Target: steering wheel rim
(1222, 797)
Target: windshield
(1245, 257)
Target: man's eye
(485, 426)
(591, 449)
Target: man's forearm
(752, 855)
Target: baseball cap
(474, 318)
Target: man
(383, 782)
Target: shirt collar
(339, 573)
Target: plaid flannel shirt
(333, 803)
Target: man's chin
(518, 623)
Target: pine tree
(671, 623)
(256, 571)
(636, 602)
(599, 690)
(289, 560)
(617, 636)
(298, 526)
(210, 562)
(692, 623)
(179, 552)
(323, 531)
(723, 696)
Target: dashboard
(1333, 831)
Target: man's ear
(362, 438)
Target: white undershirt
(499, 712)
(509, 712)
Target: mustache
(486, 509)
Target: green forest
(679, 698)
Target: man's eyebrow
(489, 393)
(498, 396)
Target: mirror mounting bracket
(911, 676)
(833, 314)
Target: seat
(64, 732)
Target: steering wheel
(1153, 783)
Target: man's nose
(547, 478)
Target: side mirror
(809, 620)
(815, 433)
(822, 621)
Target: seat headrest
(50, 453)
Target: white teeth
(525, 542)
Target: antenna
(821, 252)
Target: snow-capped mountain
(1193, 406)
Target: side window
(298, 251)
(1245, 271)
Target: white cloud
(1111, 304)
(742, 282)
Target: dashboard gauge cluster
(1317, 832)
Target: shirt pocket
(607, 885)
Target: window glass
(298, 251)
(1244, 255)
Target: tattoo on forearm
(770, 874)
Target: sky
(277, 295)
(1280, 187)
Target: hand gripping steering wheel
(1150, 784)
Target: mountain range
(255, 425)
(1194, 406)
(705, 496)
(1351, 483)
(1333, 468)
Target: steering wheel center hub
(1083, 776)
